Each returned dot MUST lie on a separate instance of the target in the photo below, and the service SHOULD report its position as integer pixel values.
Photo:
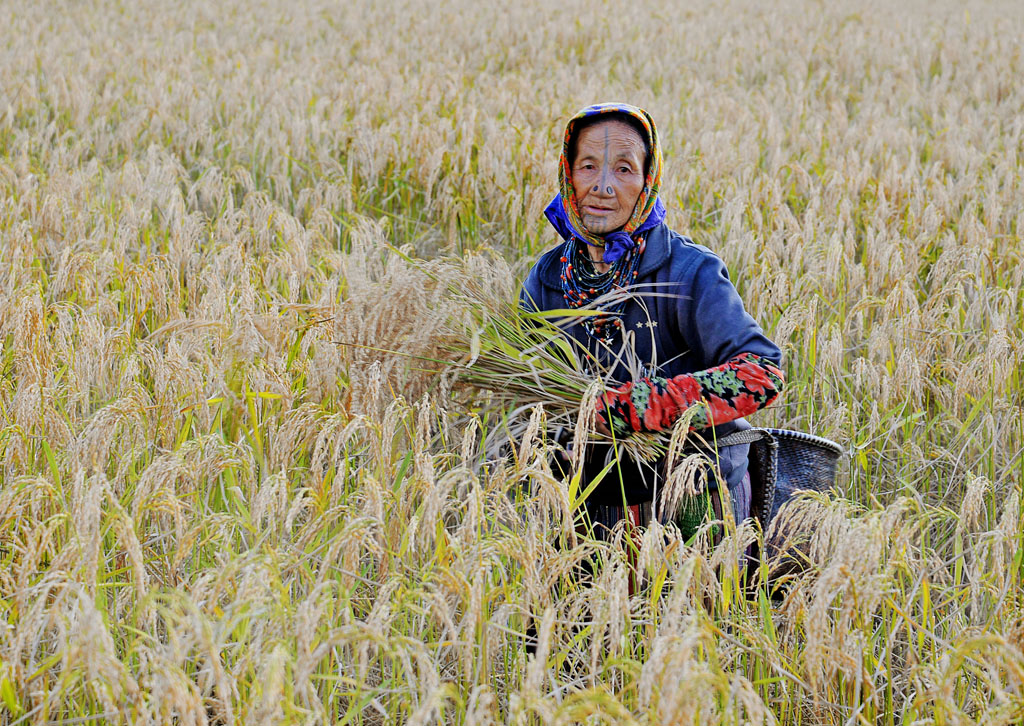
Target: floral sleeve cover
(730, 391)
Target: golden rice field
(221, 502)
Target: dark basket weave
(803, 463)
(783, 463)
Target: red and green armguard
(730, 391)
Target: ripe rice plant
(259, 267)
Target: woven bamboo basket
(783, 463)
(804, 463)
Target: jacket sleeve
(742, 366)
(714, 323)
(730, 391)
(531, 295)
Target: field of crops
(223, 502)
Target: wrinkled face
(608, 175)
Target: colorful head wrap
(649, 211)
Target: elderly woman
(666, 310)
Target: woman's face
(608, 175)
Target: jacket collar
(656, 253)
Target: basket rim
(805, 437)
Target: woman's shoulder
(677, 254)
(546, 271)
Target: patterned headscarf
(581, 285)
(649, 211)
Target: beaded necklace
(582, 284)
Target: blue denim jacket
(685, 316)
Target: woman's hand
(613, 412)
(601, 427)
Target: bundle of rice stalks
(522, 358)
(518, 359)
(518, 356)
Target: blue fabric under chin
(555, 213)
(616, 245)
